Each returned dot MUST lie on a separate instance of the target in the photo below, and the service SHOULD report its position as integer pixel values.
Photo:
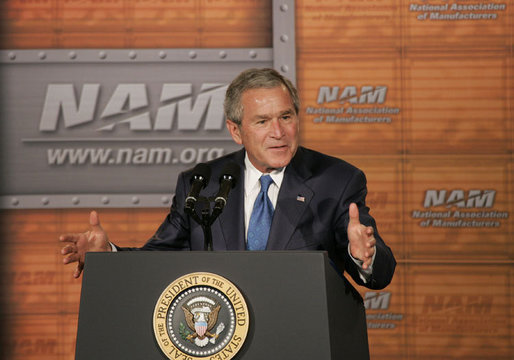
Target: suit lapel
(231, 221)
(293, 200)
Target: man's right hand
(77, 245)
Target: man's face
(269, 128)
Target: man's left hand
(362, 241)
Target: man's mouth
(278, 147)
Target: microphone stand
(205, 221)
(206, 227)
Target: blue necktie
(260, 220)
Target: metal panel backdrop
(105, 101)
(115, 127)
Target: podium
(299, 306)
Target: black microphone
(228, 180)
(199, 180)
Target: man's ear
(234, 130)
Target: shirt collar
(252, 176)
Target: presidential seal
(200, 316)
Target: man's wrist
(365, 274)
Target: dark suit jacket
(311, 214)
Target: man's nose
(276, 128)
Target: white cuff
(365, 274)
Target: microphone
(199, 180)
(228, 180)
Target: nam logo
(350, 94)
(199, 316)
(460, 198)
(377, 300)
(176, 108)
(375, 303)
(468, 304)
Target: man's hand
(362, 241)
(79, 244)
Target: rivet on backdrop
(72, 55)
(284, 68)
(253, 54)
(132, 54)
(105, 200)
(223, 54)
(284, 7)
(42, 55)
(192, 55)
(75, 200)
(12, 56)
(102, 55)
(284, 38)
(165, 199)
(45, 201)
(15, 202)
(162, 54)
(135, 200)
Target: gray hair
(255, 79)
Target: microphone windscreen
(202, 170)
(231, 169)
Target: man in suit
(314, 201)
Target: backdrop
(417, 93)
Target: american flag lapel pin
(300, 198)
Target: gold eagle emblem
(201, 314)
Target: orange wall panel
(459, 311)
(454, 174)
(387, 316)
(487, 33)
(342, 71)
(135, 24)
(457, 104)
(35, 337)
(340, 25)
(33, 281)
